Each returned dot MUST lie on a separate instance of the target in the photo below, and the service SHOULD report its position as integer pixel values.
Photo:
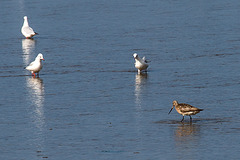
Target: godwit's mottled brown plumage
(185, 109)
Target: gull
(26, 30)
(185, 109)
(36, 65)
(140, 64)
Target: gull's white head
(25, 17)
(135, 55)
(40, 56)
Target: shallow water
(90, 103)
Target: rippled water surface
(90, 102)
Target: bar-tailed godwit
(185, 109)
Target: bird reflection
(187, 136)
(186, 130)
(36, 95)
(140, 81)
(28, 46)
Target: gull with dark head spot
(140, 64)
(185, 109)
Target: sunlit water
(90, 103)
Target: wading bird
(26, 30)
(185, 109)
(36, 65)
(140, 64)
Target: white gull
(36, 65)
(140, 64)
(26, 30)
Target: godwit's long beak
(171, 110)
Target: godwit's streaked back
(185, 109)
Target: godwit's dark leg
(182, 119)
(190, 118)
